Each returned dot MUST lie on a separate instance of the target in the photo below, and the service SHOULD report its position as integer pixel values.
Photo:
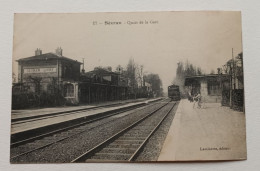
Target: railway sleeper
(124, 145)
(101, 161)
(128, 142)
(111, 156)
(141, 138)
(142, 127)
(137, 134)
(118, 150)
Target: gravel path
(67, 150)
(154, 145)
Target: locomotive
(174, 92)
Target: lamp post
(229, 66)
(220, 82)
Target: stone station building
(50, 71)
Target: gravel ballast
(153, 147)
(96, 132)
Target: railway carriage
(174, 92)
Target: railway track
(128, 143)
(38, 142)
(23, 137)
(58, 114)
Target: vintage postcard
(127, 87)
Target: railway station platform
(73, 113)
(27, 113)
(211, 133)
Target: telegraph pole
(234, 76)
(231, 79)
(83, 69)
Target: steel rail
(60, 130)
(149, 136)
(81, 158)
(54, 114)
(58, 114)
(67, 128)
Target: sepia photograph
(127, 87)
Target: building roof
(207, 75)
(99, 71)
(190, 79)
(47, 56)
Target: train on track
(174, 92)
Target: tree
(131, 76)
(135, 75)
(212, 72)
(184, 71)
(155, 82)
(139, 75)
(130, 73)
(37, 83)
(107, 68)
(199, 72)
(119, 69)
(13, 78)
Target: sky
(156, 40)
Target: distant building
(209, 86)
(45, 72)
(101, 85)
(148, 89)
(226, 87)
(147, 86)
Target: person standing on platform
(197, 99)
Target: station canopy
(191, 80)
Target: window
(214, 88)
(69, 90)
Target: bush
(29, 100)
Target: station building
(50, 71)
(209, 86)
(226, 87)
(55, 74)
(101, 85)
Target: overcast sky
(205, 39)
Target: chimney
(59, 51)
(38, 51)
